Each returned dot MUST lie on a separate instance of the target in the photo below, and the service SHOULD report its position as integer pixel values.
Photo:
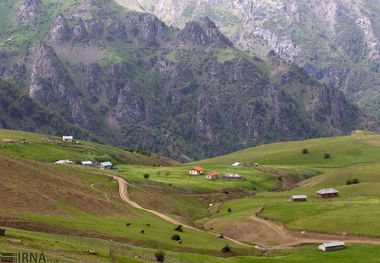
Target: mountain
(188, 93)
(336, 42)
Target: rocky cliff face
(186, 93)
(28, 10)
(337, 41)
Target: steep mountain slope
(336, 41)
(186, 93)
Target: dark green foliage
(2, 232)
(327, 156)
(179, 228)
(229, 210)
(146, 176)
(176, 237)
(160, 256)
(305, 151)
(226, 249)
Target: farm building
(328, 193)
(233, 177)
(67, 138)
(298, 198)
(331, 246)
(212, 176)
(236, 164)
(64, 162)
(87, 163)
(197, 170)
(105, 165)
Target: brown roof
(213, 173)
(198, 168)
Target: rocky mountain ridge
(130, 79)
(336, 41)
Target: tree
(355, 181)
(146, 176)
(327, 156)
(2, 232)
(305, 151)
(160, 256)
(176, 237)
(226, 249)
(229, 210)
(179, 228)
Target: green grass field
(75, 208)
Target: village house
(298, 198)
(328, 193)
(331, 246)
(67, 138)
(236, 164)
(212, 176)
(233, 177)
(87, 163)
(64, 162)
(197, 170)
(106, 165)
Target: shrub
(2, 232)
(142, 232)
(229, 210)
(146, 176)
(226, 249)
(176, 237)
(355, 181)
(179, 228)
(129, 224)
(348, 182)
(327, 156)
(305, 151)
(160, 256)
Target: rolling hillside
(67, 210)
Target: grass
(178, 177)
(50, 149)
(343, 150)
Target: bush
(229, 210)
(2, 232)
(305, 151)
(226, 249)
(327, 156)
(146, 176)
(179, 228)
(348, 182)
(176, 237)
(160, 256)
(355, 181)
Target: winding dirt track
(123, 192)
(287, 238)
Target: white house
(298, 198)
(106, 165)
(64, 162)
(330, 246)
(67, 138)
(87, 163)
(236, 164)
(197, 170)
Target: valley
(71, 204)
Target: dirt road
(123, 192)
(289, 238)
(284, 238)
